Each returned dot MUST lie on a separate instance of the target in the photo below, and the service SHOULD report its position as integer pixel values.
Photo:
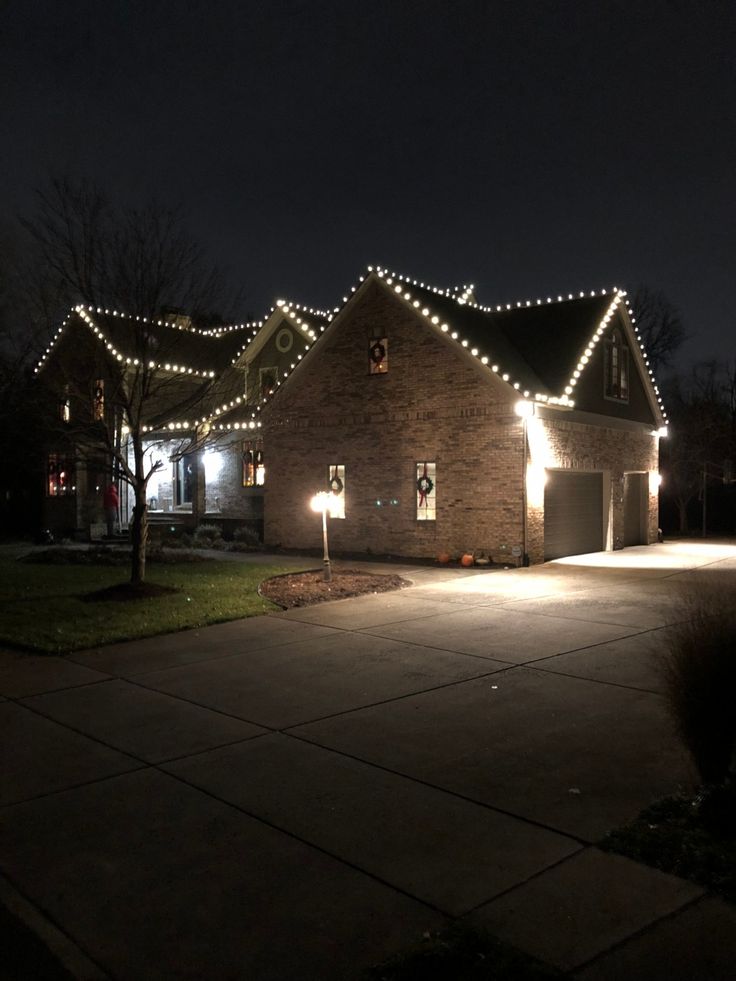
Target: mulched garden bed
(307, 588)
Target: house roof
(538, 347)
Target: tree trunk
(682, 511)
(139, 537)
(139, 526)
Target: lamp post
(322, 501)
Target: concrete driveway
(300, 795)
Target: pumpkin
(467, 559)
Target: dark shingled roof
(538, 345)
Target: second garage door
(573, 513)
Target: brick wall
(561, 442)
(433, 404)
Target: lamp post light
(323, 501)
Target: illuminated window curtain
(426, 488)
(59, 476)
(254, 469)
(98, 408)
(336, 486)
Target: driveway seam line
(454, 793)
(304, 841)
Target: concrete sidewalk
(299, 796)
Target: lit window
(65, 406)
(99, 400)
(184, 479)
(426, 491)
(616, 368)
(336, 486)
(378, 356)
(59, 476)
(254, 470)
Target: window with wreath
(378, 356)
(616, 368)
(426, 491)
(254, 470)
(336, 486)
(59, 476)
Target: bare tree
(701, 432)
(85, 249)
(660, 326)
(137, 261)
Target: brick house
(442, 426)
(210, 465)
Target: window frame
(616, 368)
(336, 472)
(254, 464)
(427, 511)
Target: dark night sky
(528, 147)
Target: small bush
(699, 671)
(246, 536)
(207, 536)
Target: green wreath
(425, 485)
(336, 485)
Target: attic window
(336, 486)
(616, 368)
(65, 406)
(268, 378)
(378, 356)
(98, 405)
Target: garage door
(635, 508)
(573, 513)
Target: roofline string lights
(400, 284)
(562, 400)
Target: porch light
(524, 409)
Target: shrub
(207, 536)
(699, 671)
(246, 536)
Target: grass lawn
(42, 609)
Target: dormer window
(65, 406)
(268, 378)
(616, 368)
(98, 407)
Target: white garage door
(573, 513)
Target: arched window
(616, 368)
